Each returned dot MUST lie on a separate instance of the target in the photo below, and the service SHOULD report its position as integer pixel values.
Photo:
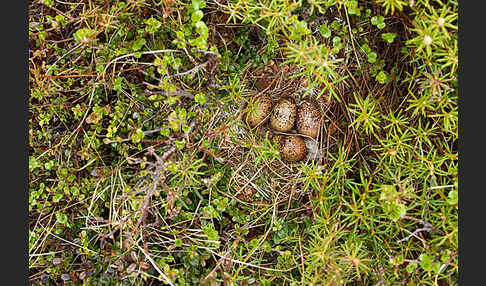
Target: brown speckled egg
(259, 109)
(283, 115)
(308, 119)
(292, 148)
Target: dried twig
(157, 176)
(194, 69)
(427, 227)
(444, 266)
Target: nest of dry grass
(278, 178)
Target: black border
(15, 142)
(471, 147)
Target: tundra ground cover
(142, 171)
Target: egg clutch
(284, 115)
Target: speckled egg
(292, 148)
(308, 119)
(259, 110)
(283, 115)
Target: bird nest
(257, 174)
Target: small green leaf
(83, 35)
(400, 259)
(49, 3)
(374, 20)
(61, 19)
(117, 85)
(33, 164)
(381, 77)
(366, 48)
(335, 25)
(182, 113)
(353, 8)
(138, 44)
(153, 25)
(165, 132)
(200, 98)
(372, 57)
(389, 37)
(198, 4)
(61, 218)
(453, 196)
(49, 165)
(336, 43)
(427, 263)
(180, 144)
(57, 197)
(325, 31)
(201, 28)
(138, 136)
(399, 210)
(411, 267)
(301, 28)
(197, 16)
(378, 21)
(100, 68)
